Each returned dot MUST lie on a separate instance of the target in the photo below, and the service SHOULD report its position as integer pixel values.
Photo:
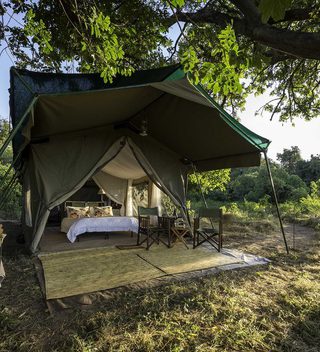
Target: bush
(310, 206)
(256, 209)
(11, 209)
(298, 193)
(290, 210)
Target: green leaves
(211, 180)
(273, 9)
(222, 74)
(99, 24)
(38, 31)
(176, 3)
(189, 59)
(115, 37)
(108, 52)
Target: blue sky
(305, 135)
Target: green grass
(273, 308)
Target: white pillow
(78, 212)
(102, 211)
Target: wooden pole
(276, 201)
(199, 186)
(17, 127)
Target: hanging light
(102, 193)
(144, 128)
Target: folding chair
(165, 225)
(145, 226)
(153, 226)
(208, 233)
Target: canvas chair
(153, 229)
(208, 233)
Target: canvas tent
(71, 127)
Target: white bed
(102, 224)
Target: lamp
(101, 192)
(144, 131)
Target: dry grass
(273, 308)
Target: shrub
(290, 210)
(310, 206)
(11, 209)
(256, 209)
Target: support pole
(201, 191)
(276, 201)
(199, 185)
(9, 169)
(8, 194)
(17, 127)
(8, 189)
(23, 81)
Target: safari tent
(69, 128)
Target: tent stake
(276, 201)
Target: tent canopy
(180, 116)
(154, 123)
(124, 166)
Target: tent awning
(180, 116)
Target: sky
(305, 134)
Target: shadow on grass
(304, 334)
(272, 308)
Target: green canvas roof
(179, 115)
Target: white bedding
(102, 224)
(66, 224)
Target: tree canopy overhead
(233, 47)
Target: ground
(267, 308)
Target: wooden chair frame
(211, 235)
(153, 232)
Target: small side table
(178, 234)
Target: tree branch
(205, 15)
(177, 42)
(249, 9)
(293, 43)
(299, 44)
(294, 15)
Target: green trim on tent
(176, 75)
(260, 142)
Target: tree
(289, 159)
(234, 47)
(4, 132)
(253, 184)
(12, 207)
(210, 180)
(309, 170)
